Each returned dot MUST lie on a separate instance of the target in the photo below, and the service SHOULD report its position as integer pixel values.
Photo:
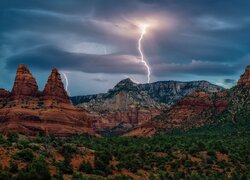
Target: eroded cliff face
(25, 85)
(121, 109)
(170, 92)
(166, 92)
(54, 88)
(129, 105)
(202, 108)
(245, 78)
(31, 112)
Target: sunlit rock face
(230, 106)
(25, 85)
(128, 104)
(54, 88)
(28, 111)
(245, 78)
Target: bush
(211, 153)
(100, 166)
(12, 136)
(65, 166)
(123, 177)
(38, 170)
(86, 167)
(5, 175)
(68, 149)
(77, 176)
(13, 167)
(25, 155)
(2, 140)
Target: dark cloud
(205, 38)
(196, 67)
(47, 57)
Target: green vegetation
(192, 155)
(25, 155)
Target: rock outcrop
(128, 104)
(4, 94)
(167, 92)
(25, 85)
(245, 78)
(121, 109)
(231, 106)
(4, 97)
(62, 120)
(30, 112)
(54, 89)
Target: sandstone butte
(25, 85)
(27, 110)
(245, 78)
(194, 110)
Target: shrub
(13, 166)
(86, 167)
(68, 149)
(101, 166)
(77, 176)
(211, 153)
(5, 175)
(65, 166)
(188, 164)
(123, 177)
(2, 140)
(12, 136)
(38, 170)
(25, 155)
(24, 143)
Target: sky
(95, 42)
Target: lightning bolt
(67, 82)
(143, 32)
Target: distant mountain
(167, 92)
(128, 104)
(220, 109)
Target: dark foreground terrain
(209, 153)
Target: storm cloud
(206, 39)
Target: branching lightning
(143, 32)
(66, 82)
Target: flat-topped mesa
(25, 85)
(245, 78)
(54, 89)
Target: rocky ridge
(202, 108)
(121, 109)
(128, 104)
(167, 92)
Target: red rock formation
(120, 121)
(54, 89)
(63, 120)
(4, 94)
(49, 112)
(192, 111)
(25, 85)
(245, 78)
